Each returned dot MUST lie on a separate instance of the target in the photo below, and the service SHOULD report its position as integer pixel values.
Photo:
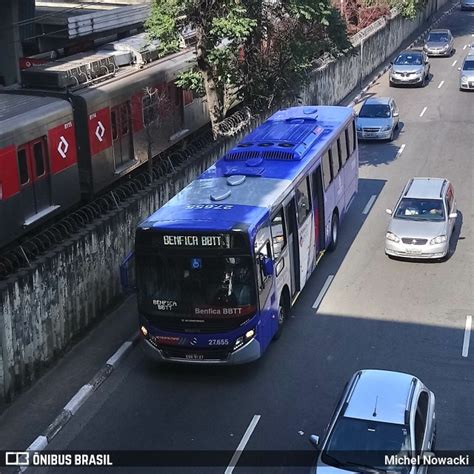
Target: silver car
(378, 119)
(380, 414)
(466, 78)
(467, 4)
(439, 43)
(410, 68)
(423, 221)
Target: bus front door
(294, 247)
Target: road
(377, 313)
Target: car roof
(382, 392)
(377, 100)
(411, 51)
(425, 188)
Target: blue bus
(219, 266)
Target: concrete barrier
(46, 306)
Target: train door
(122, 134)
(35, 185)
(294, 248)
(318, 209)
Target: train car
(79, 124)
(38, 162)
(116, 117)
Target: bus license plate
(195, 356)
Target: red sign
(9, 181)
(100, 131)
(62, 147)
(26, 63)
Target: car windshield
(438, 37)
(408, 59)
(203, 286)
(468, 65)
(355, 442)
(420, 209)
(375, 111)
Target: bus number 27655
(218, 342)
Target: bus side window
(327, 178)
(335, 164)
(278, 234)
(350, 139)
(354, 136)
(342, 145)
(302, 201)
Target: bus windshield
(198, 286)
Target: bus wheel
(282, 314)
(334, 232)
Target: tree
(255, 51)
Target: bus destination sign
(219, 241)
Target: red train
(79, 124)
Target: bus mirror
(127, 273)
(267, 265)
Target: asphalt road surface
(377, 313)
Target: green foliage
(257, 51)
(191, 80)
(162, 25)
(408, 8)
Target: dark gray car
(439, 43)
(410, 68)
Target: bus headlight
(245, 338)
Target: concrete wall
(10, 41)
(45, 307)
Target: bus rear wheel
(334, 232)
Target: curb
(356, 99)
(71, 408)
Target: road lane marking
(400, 150)
(465, 46)
(440, 84)
(369, 204)
(467, 336)
(325, 288)
(423, 112)
(454, 63)
(242, 444)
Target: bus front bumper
(190, 355)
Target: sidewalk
(32, 412)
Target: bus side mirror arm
(124, 274)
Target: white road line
(423, 111)
(325, 287)
(467, 336)
(369, 204)
(440, 84)
(465, 46)
(454, 63)
(241, 446)
(400, 150)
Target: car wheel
(390, 84)
(282, 315)
(392, 135)
(397, 126)
(334, 232)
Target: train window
(188, 97)
(114, 125)
(38, 154)
(150, 107)
(23, 166)
(124, 118)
